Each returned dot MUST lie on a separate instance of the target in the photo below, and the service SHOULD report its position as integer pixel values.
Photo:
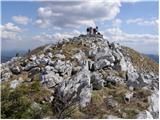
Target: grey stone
(60, 56)
(154, 104)
(78, 88)
(15, 69)
(144, 115)
(101, 64)
(63, 67)
(111, 102)
(51, 79)
(33, 57)
(30, 65)
(128, 96)
(15, 83)
(96, 81)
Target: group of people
(92, 31)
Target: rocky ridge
(80, 74)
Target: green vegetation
(18, 103)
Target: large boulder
(76, 90)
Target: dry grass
(140, 61)
(98, 107)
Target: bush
(17, 103)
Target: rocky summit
(80, 77)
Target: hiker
(94, 31)
(91, 30)
(88, 31)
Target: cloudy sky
(27, 25)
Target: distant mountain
(7, 55)
(154, 57)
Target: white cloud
(116, 22)
(142, 22)
(10, 32)
(144, 43)
(116, 34)
(21, 19)
(77, 13)
(47, 38)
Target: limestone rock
(15, 83)
(96, 81)
(15, 69)
(78, 88)
(144, 115)
(51, 79)
(101, 64)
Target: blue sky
(27, 25)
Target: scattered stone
(15, 69)
(101, 64)
(30, 65)
(15, 83)
(96, 81)
(111, 102)
(60, 56)
(33, 57)
(154, 104)
(128, 96)
(51, 79)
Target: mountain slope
(80, 77)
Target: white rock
(144, 115)
(33, 57)
(15, 69)
(96, 81)
(79, 56)
(45, 60)
(60, 56)
(30, 65)
(101, 64)
(123, 65)
(128, 96)
(50, 55)
(15, 83)
(64, 67)
(40, 56)
(51, 79)
(78, 86)
(154, 104)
